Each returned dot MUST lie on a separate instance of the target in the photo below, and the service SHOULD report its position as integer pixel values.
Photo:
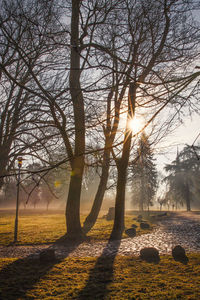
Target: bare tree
(144, 47)
(167, 88)
(22, 49)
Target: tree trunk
(187, 197)
(4, 158)
(122, 165)
(118, 227)
(1, 180)
(92, 217)
(142, 186)
(109, 139)
(74, 230)
(176, 205)
(141, 202)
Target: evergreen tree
(144, 178)
(183, 178)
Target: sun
(135, 124)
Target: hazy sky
(184, 134)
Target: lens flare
(135, 124)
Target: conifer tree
(183, 176)
(144, 178)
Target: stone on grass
(178, 254)
(139, 217)
(134, 226)
(131, 232)
(163, 214)
(111, 214)
(150, 254)
(47, 256)
(144, 225)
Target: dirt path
(178, 229)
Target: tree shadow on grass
(102, 274)
(20, 276)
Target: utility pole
(17, 202)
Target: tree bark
(74, 230)
(122, 165)
(2, 173)
(92, 217)
(118, 226)
(187, 197)
(4, 158)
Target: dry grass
(88, 277)
(100, 278)
(46, 227)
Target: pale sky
(184, 134)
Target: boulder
(111, 214)
(144, 225)
(47, 256)
(134, 226)
(150, 254)
(139, 217)
(178, 254)
(163, 214)
(131, 232)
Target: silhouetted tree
(144, 46)
(184, 173)
(150, 25)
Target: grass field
(46, 227)
(100, 278)
(116, 277)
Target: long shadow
(102, 273)
(21, 275)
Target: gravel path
(179, 229)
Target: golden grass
(46, 227)
(88, 277)
(100, 278)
